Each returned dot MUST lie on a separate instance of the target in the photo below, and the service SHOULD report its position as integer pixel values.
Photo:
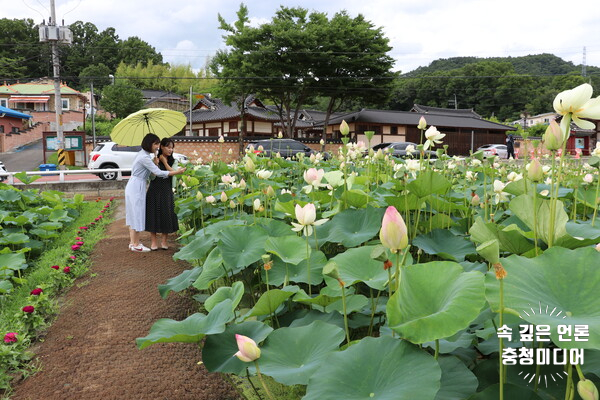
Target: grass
(53, 159)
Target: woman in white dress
(135, 191)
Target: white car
(109, 155)
(490, 150)
(2, 169)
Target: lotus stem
(345, 315)
(569, 392)
(501, 340)
(308, 266)
(437, 348)
(596, 201)
(262, 381)
(535, 218)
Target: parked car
(399, 149)
(2, 169)
(109, 155)
(285, 147)
(490, 150)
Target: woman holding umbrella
(135, 191)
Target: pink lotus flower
(10, 337)
(248, 350)
(393, 233)
(55, 267)
(36, 292)
(313, 176)
(66, 270)
(28, 309)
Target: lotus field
(370, 277)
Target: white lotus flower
(513, 176)
(596, 151)
(579, 103)
(264, 174)
(499, 190)
(410, 149)
(306, 219)
(588, 178)
(210, 199)
(433, 137)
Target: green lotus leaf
(10, 196)
(510, 237)
(333, 318)
(292, 355)
(381, 368)
(5, 286)
(404, 202)
(268, 302)
(320, 300)
(179, 282)
(297, 273)
(583, 230)
(355, 226)
(458, 382)
(354, 302)
(557, 284)
(512, 392)
(218, 350)
(356, 198)
(356, 265)
(194, 250)
(190, 330)
(435, 300)
(445, 244)
(58, 215)
(43, 234)
(522, 207)
(233, 293)
(12, 261)
(14, 238)
(291, 249)
(275, 228)
(429, 182)
(242, 245)
(19, 220)
(212, 269)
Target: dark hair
(148, 141)
(165, 142)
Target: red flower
(75, 247)
(66, 270)
(10, 337)
(36, 292)
(80, 243)
(73, 258)
(78, 238)
(55, 267)
(28, 309)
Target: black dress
(160, 205)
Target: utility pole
(93, 110)
(54, 34)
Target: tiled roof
(467, 112)
(153, 94)
(460, 120)
(218, 111)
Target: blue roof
(5, 111)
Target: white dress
(135, 191)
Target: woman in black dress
(160, 205)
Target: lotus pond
(369, 277)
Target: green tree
(121, 99)
(134, 50)
(21, 53)
(97, 73)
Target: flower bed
(52, 251)
(374, 277)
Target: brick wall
(10, 141)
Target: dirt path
(90, 352)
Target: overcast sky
(420, 31)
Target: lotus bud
(230, 151)
(344, 128)
(221, 139)
(199, 196)
(249, 164)
(242, 184)
(260, 148)
(475, 200)
(553, 137)
(231, 204)
(598, 247)
(256, 204)
(248, 350)
(279, 135)
(535, 172)
(270, 191)
(587, 390)
(422, 123)
(210, 199)
(223, 197)
(322, 142)
(393, 233)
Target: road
(26, 158)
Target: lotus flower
(501, 195)
(210, 199)
(588, 178)
(535, 171)
(596, 151)
(422, 123)
(227, 179)
(223, 197)
(264, 174)
(433, 137)
(306, 219)
(553, 137)
(579, 104)
(344, 128)
(313, 177)
(393, 233)
(248, 351)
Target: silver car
(110, 155)
(490, 150)
(2, 169)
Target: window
(233, 125)
(65, 104)
(394, 130)
(3, 102)
(1, 128)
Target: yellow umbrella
(160, 121)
